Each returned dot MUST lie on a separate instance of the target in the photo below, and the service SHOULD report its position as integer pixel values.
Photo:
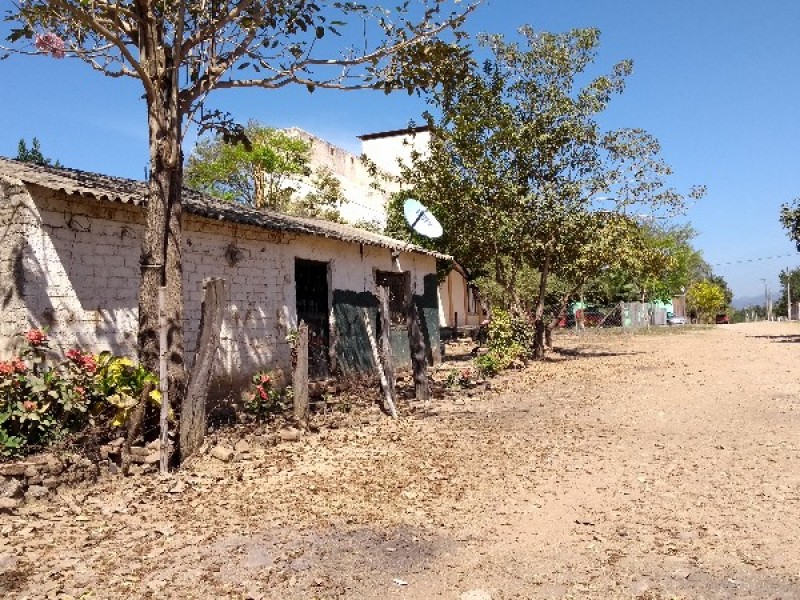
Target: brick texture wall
(72, 265)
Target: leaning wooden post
(193, 411)
(163, 375)
(386, 343)
(300, 376)
(376, 357)
(416, 343)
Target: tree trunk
(416, 344)
(538, 316)
(161, 243)
(387, 355)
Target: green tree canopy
(706, 298)
(517, 157)
(34, 154)
(265, 168)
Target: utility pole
(788, 294)
(766, 299)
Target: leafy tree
(517, 156)
(790, 219)
(181, 50)
(265, 168)
(706, 297)
(254, 170)
(34, 154)
(792, 278)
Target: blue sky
(715, 80)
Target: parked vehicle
(676, 320)
(722, 319)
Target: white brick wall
(81, 277)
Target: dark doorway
(311, 286)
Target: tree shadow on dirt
(587, 353)
(780, 339)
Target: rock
(139, 451)
(152, 458)
(241, 447)
(13, 469)
(117, 443)
(54, 466)
(36, 480)
(11, 488)
(178, 487)
(113, 468)
(31, 471)
(51, 482)
(9, 504)
(291, 434)
(36, 491)
(154, 445)
(475, 595)
(270, 439)
(223, 453)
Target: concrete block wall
(79, 261)
(79, 272)
(17, 219)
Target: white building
(70, 243)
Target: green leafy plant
(510, 339)
(264, 399)
(42, 401)
(460, 378)
(121, 382)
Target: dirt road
(653, 466)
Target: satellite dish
(421, 220)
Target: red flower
(262, 393)
(29, 405)
(6, 368)
(265, 379)
(36, 337)
(88, 362)
(19, 365)
(84, 361)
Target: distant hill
(744, 301)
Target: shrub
(510, 339)
(460, 378)
(264, 398)
(42, 402)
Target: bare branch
(90, 22)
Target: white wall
(386, 151)
(453, 295)
(81, 278)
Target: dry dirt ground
(649, 466)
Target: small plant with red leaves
(264, 399)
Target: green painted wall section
(352, 348)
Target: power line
(749, 260)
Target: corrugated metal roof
(129, 191)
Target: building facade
(70, 244)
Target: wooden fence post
(193, 411)
(416, 343)
(376, 357)
(300, 376)
(386, 342)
